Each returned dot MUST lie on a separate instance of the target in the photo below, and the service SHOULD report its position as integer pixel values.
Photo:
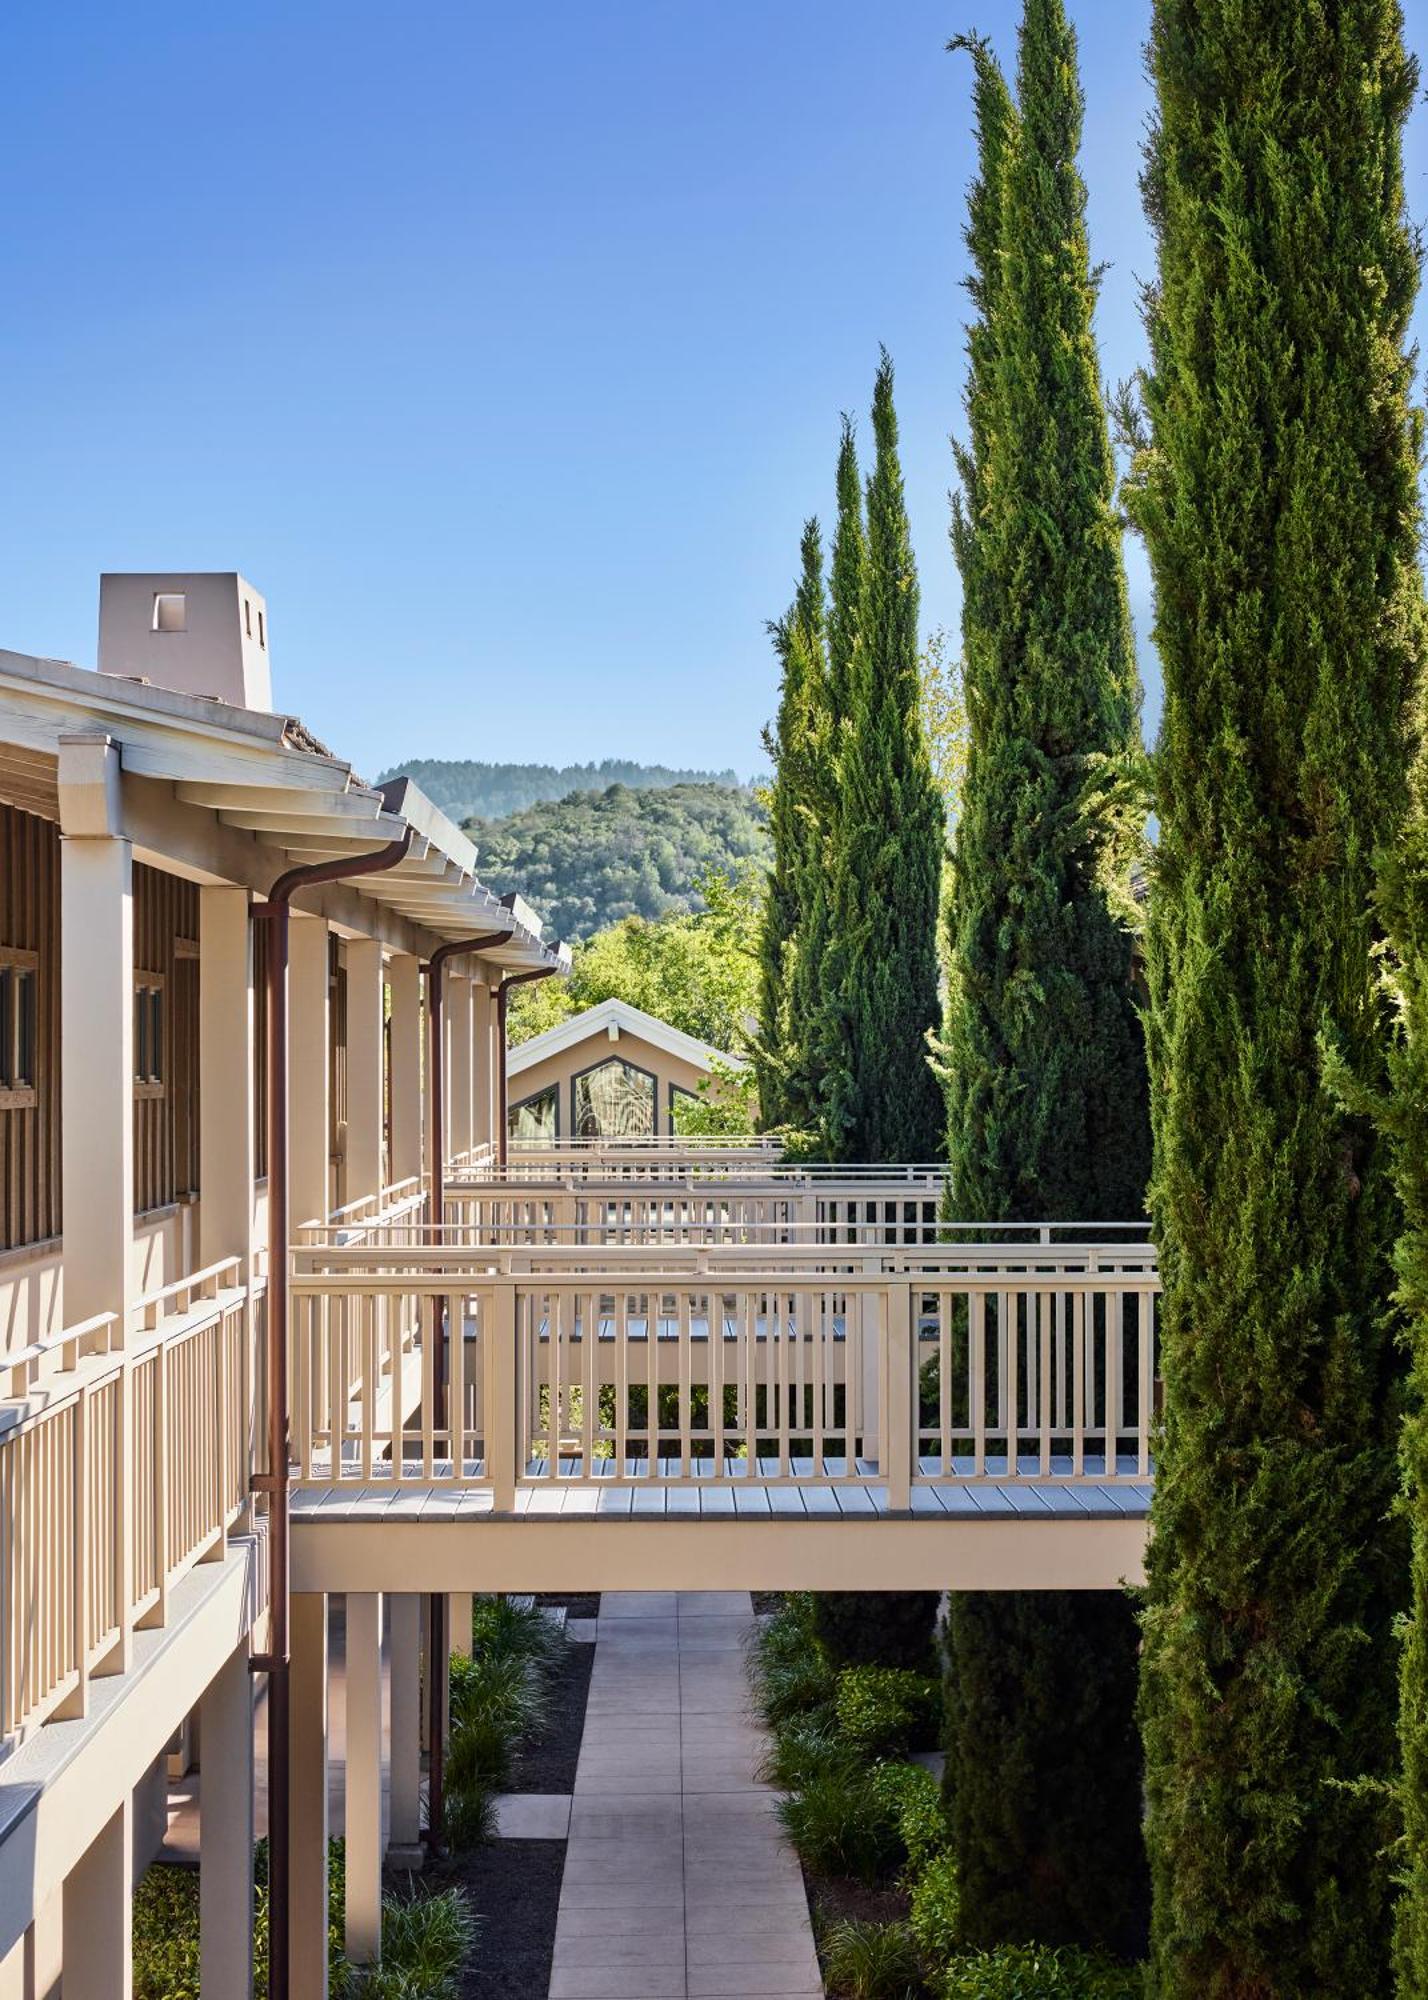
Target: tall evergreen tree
(845, 580)
(794, 746)
(1276, 491)
(882, 1101)
(1044, 1055)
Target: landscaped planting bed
(428, 1933)
(517, 1711)
(870, 1829)
(546, 1762)
(477, 1924)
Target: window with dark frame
(19, 1028)
(535, 1117)
(149, 1052)
(613, 1100)
(679, 1095)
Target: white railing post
(901, 1389)
(501, 1384)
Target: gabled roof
(597, 1022)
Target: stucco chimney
(202, 633)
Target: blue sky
(501, 346)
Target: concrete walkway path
(678, 1884)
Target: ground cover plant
(500, 1698)
(872, 1830)
(426, 1937)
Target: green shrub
(503, 1630)
(884, 1710)
(470, 1814)
(803, 1749)
(935, 1909)
(495, 1703)
(425, 1938)
(840, 1826)
(790, 1673)
(914, 1798)
(877, 1628)
(789, 1633)
(1032, 1972)
(867, 1961)
(426, 1941)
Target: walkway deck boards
(572, 1495)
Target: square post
(458, 1011)
(404, 1629)
(404, 976)
(98, 1915)
(309, 1140)
(363, 1912)
(225, 1881)
(365, 1068)
(307, 1817)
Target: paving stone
(532, 1815)
(678, 1883)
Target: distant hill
(594, 857)
(466, 790)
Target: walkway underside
(974, 1536)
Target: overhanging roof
(264, 775)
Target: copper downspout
(511, 979)
(436, 1074)
(274, 1482)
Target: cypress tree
(1275, 486)
(845, 581)
(1044, 1055)
(882, 1101)
(780, 1054)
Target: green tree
(882, 1101)
(1275, 484)
(696, 970)
(594, 857)
(1044, 1056)
(795, 826)
(944, 720)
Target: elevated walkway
(738, 1378)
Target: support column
(458, 1007)
(365, 1068)
(363, 1913)
(98, 1915)
(458, 1622)
(308, 1121)
(44, 1950)
(483, 1128)
(225, 1076)
(307, 1819)
(96, 1033)
(225, 1881)
(404, 1650)
(404, 974)
(97, 1107)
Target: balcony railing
(765, 1366)
(121, 1465)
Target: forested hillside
(468, 790)
(595, 857)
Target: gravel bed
(548, 1764)
(514, 1888)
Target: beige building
(279, 1319)
(612, 1072)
